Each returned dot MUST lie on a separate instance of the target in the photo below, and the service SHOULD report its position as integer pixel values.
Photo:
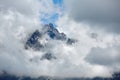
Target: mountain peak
(52, 32)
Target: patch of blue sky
(58, 2)
(54, 17)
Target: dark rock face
(48, 56)
(33, 41)
(53, 33)
(70, 41)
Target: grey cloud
(15, 29)
(26, 7)
(105, 12)
(104, 56)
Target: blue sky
(54, 17)
(58, 2)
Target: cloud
(103, 13)
(19, 19)
(109, 56)
(96, 48)
(24, 7)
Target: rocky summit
(48, 32)
(52, 32)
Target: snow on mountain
(37, 40)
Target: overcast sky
(95, 24)
(101, 12)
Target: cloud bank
(103, 12)
(95, 54)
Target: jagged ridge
(34, 43)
